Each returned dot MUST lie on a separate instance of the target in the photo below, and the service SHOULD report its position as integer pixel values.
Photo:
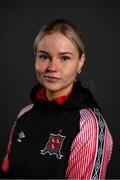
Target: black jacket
(43, 135)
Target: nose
(53, 64)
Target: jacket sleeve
(4, 168)
(91, 149)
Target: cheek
(37, 68)
(39, 73)
(40, 67)
(70, 72)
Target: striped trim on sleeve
(91, 149)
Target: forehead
(56, 41)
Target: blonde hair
(65, 27)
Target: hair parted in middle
(65, 27)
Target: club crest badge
(54, 145)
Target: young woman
(62, 134)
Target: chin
(53, 89)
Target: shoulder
(92, 123)
(93, 132)
(24, 110)
(92, 118)
(93, 129)
(20, 113)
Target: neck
(51, 95)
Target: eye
(65, 58)
(43, 57)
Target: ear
(81, 62)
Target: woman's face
(57, 62)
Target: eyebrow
(42, 51)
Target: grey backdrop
(19, 24)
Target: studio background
(99, 21)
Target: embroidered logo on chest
(54, 145)
(21, 136)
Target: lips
(52, 77)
